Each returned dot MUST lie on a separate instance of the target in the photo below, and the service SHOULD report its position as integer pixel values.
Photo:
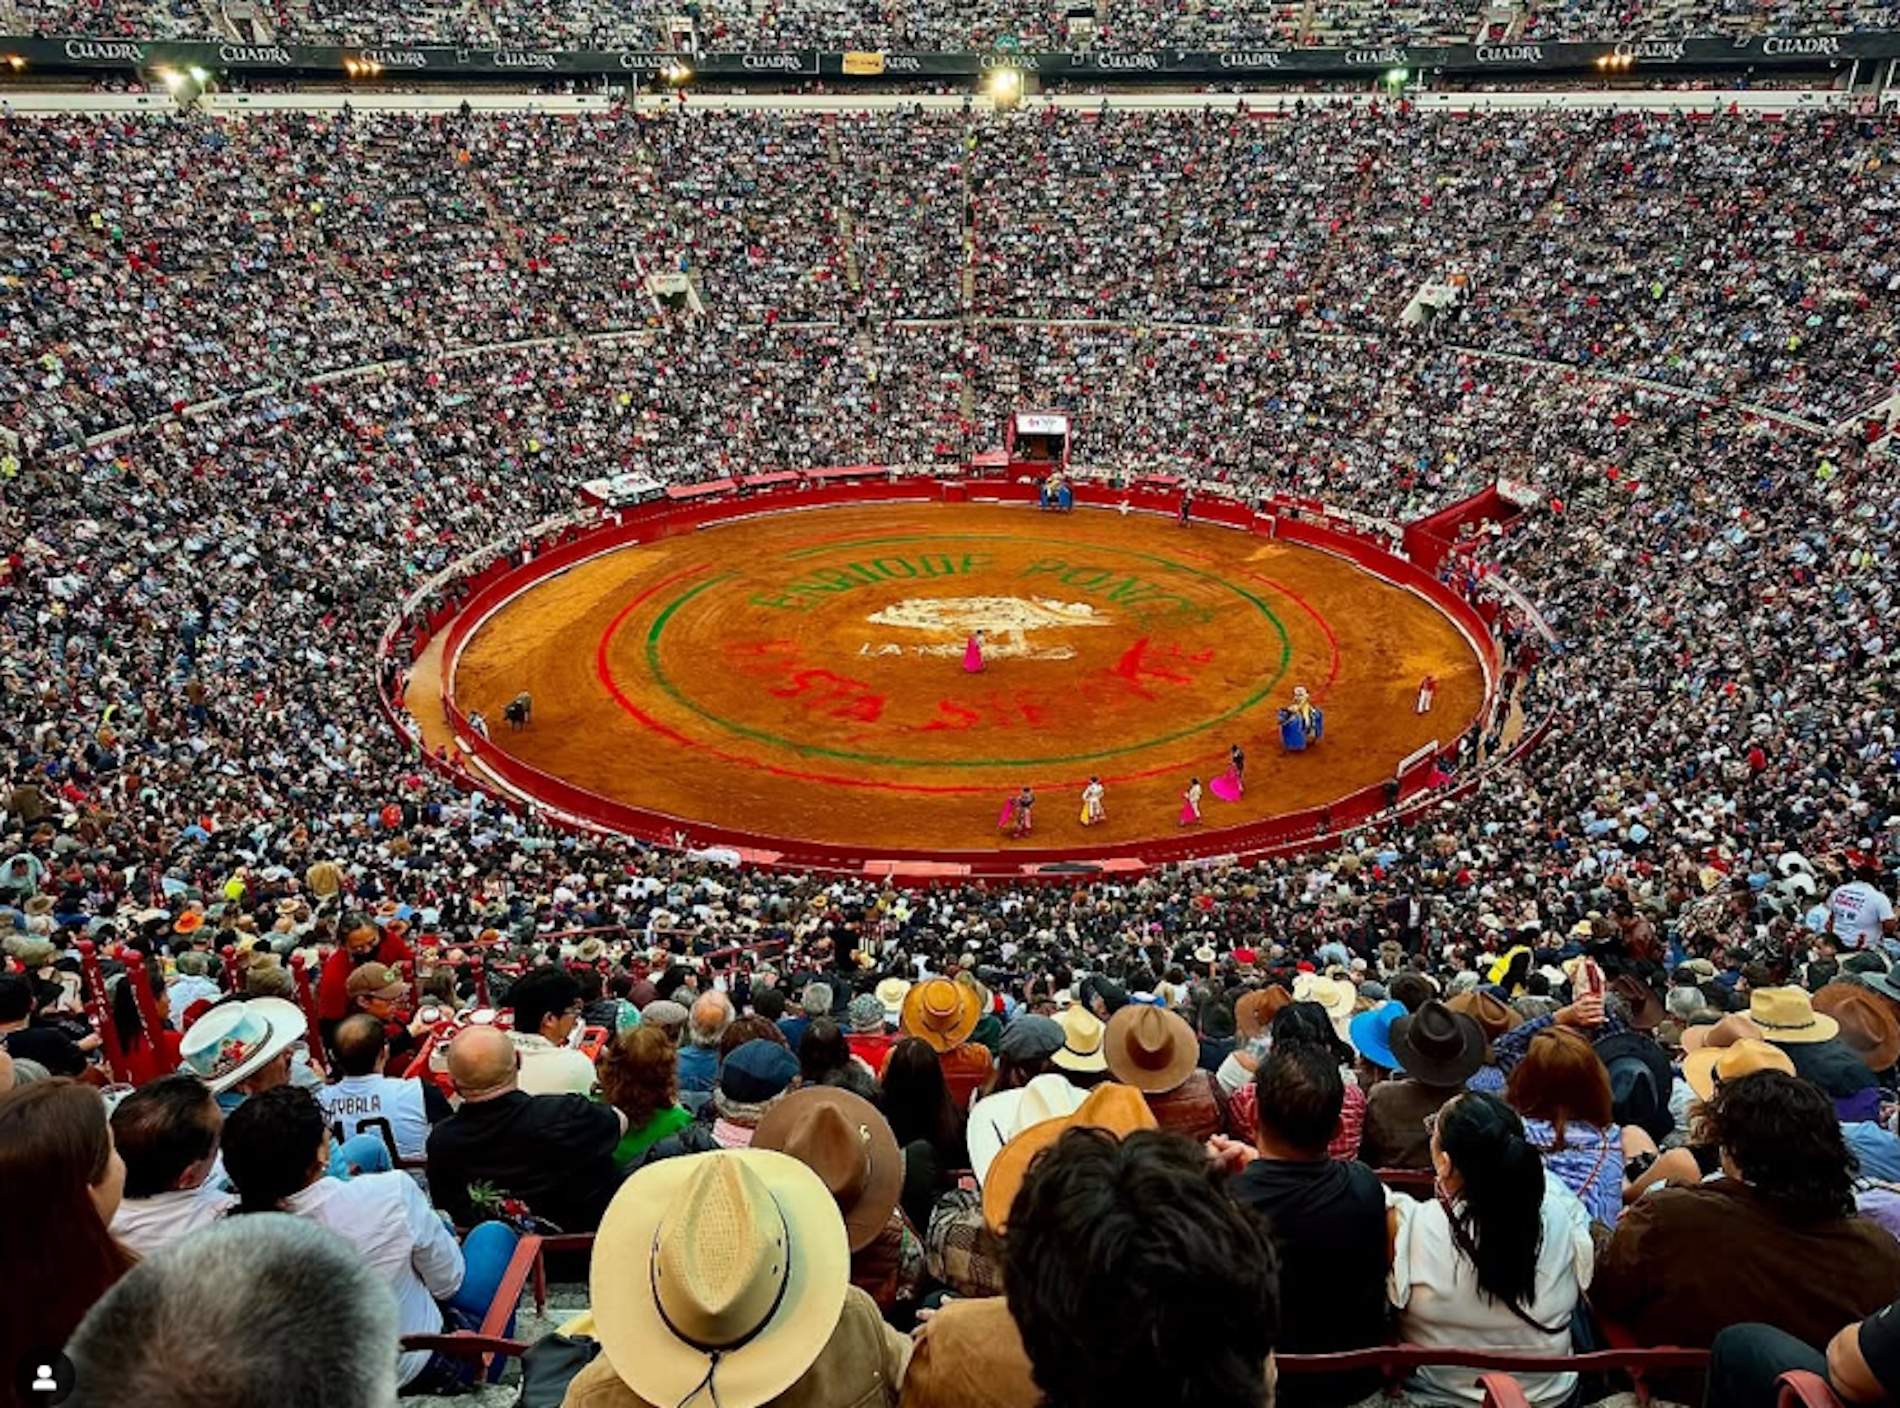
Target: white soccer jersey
(379, 1105)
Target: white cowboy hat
(230, 1042)
(997, 1119)
(1337, 997)
(723, 1273)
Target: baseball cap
(377, 980)
(757, 1071)
(1031, 1038)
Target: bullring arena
(537, 580)
(792, 675)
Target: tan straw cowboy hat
(719, 1277)
(1787, 1016)
(1081, 1040)
(1714, 1066)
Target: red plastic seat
(490, 1340)
(1802, 1389)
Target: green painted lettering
(891, 567)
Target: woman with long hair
(915, 1098)
(1561, 1089)
(639, 1076)
(63, 1180)
(148, 1055)
(1498, 1259)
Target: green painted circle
(814, 750)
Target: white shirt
(146, 1224)
(389, 1221)
(380, 1105)
(547, 1069)
(1434, 1287)
(1859, 910)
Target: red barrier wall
(475, 599)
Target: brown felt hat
(1255, 1011)
(1646, 1009)
(1150, 1048)
(843, 1139)
(1867, 1023)
(941, 1012)
(1437, 1046)
(1494, 1018)
(1731, 1029)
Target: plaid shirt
(959, 1248)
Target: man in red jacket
(362, 943)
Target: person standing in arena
(1093, 811)
(1191, 803)
(1022, 813)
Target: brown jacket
(1194, 1108)
(1685, 1263)
(861, 1366)
(1395, 1134)
(969, 1355)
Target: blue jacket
(699, 1067)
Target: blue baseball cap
(757, 1071)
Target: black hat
(1438, 1046)
(1641, 1080)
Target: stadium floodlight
(1397, 76)
(1006, 85)
(171, 78)
(198, 75)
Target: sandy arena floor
(802, 674)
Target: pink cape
(972, 657)
(1226, 787)
(1009, 814)
(1188, 814)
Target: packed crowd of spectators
(163, 263)
(192, 759)
(939, 25)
